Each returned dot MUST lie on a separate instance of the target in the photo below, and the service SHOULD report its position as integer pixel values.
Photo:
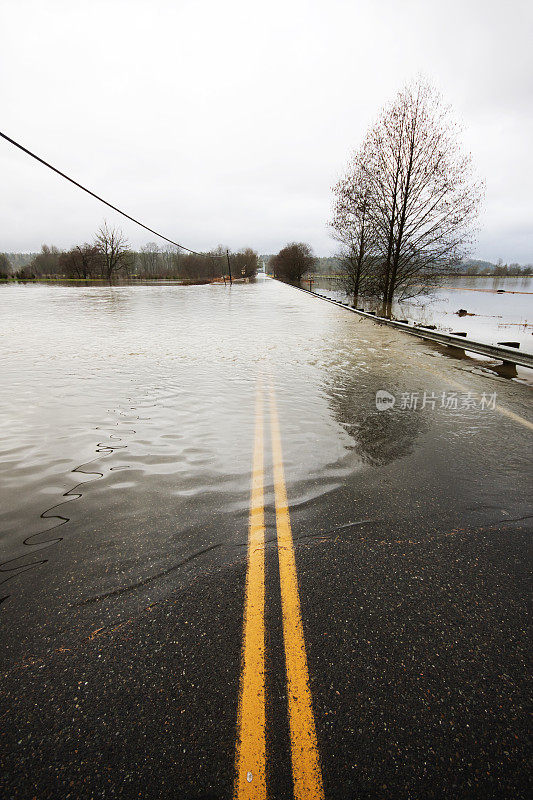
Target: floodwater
(492, 316)
(127, 421)
(127, 430)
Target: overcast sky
(228, 121)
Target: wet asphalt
(413, 551)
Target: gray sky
(228, 122)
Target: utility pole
(229, 267)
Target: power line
(101, 199)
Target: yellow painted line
(250, 780)
(307, 776)
(505, 412)
(500, 409)
(515, 417)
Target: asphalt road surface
(255, 583)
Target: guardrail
(508, 355)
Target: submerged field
(491, 317)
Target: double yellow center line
(251, 745)
(250, 781)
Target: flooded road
(129, 421)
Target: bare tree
(203, 267)
(5, 266)
(292, 262)
(422, 196)
(150, 260)
(353, 227)
(114, 249)
(82, 261)
(170, 258)
(43, 264)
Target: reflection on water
(378, 437)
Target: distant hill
(475, 262)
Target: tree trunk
(386, 309)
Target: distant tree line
(110, 256)
(483, 268)
(404, 210)
(5, 266)
(332, 266)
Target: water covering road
(130, 424)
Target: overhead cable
(101, 199)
